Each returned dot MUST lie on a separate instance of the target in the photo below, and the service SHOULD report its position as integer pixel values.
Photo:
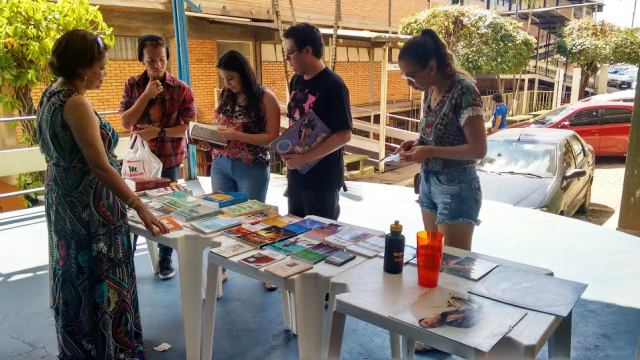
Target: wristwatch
(162, 133)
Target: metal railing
(28, 118)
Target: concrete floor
(606, 322)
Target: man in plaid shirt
(158, 107)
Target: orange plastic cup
(429, 257)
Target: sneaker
(166, 270)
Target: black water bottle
(394, 249)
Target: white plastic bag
(140, 162)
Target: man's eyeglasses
(289, 53)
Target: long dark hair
(423, 48)
(234, 61)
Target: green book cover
(309, 256)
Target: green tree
(589, 44)
(483, 41)
(28, 29)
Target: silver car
(549, 169)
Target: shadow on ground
(249, 323)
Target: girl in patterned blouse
(452, 138)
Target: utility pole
(630, 204)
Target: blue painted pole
(184, 73)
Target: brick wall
(355, 75)
(273, 79)
(204, 76)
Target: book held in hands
(303, 135)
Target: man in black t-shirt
(316, 88)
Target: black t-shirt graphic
(328, 97)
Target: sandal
(270, 287)
(421, 348)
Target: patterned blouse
(442, 125)
(238, 119)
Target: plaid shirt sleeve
(187, 109)
(127, 96)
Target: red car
(603, 125)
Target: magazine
(302, 136)
(213, 225)
(206, 132)
(530, 290)
(470, 320)
(292, 245)
(347, 236)
(322, 232)
(288, 268)
(232, 250)
(303, 226)
(369, 247)
(470, 268)
(262, 258)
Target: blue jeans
(454, 195)
(234, 175)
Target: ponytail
(427, 46)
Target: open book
(303, 135)
(206, 132)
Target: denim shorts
(454, 195)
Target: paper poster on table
(530, 290)
(470, 320)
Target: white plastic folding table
(371, 295)
(303, 296)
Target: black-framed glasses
(289, 53)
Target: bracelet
(132, 201)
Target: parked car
(627, 79)
(615, 73)
(622, 95)
(623, 74)
(603, 125)
(548, 169)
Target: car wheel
(584, 208)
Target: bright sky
(620, 12)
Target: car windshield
(551, 116)
(509, 157)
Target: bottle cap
(396, 226)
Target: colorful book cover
(262, 258)
(238, 230)
(179, 204)
(369, 247)
(281, 221)
(304, 225)
(309, 256)
(292, 245)
(245, 208)
(322, 232)
(195, 213)
(258, 217)
(170, 223)
(275, 233)
(302, 136)
(224, 199)
(232, 250)
(288, 268)
(470, 268)
(470, 320)
(209, 226)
